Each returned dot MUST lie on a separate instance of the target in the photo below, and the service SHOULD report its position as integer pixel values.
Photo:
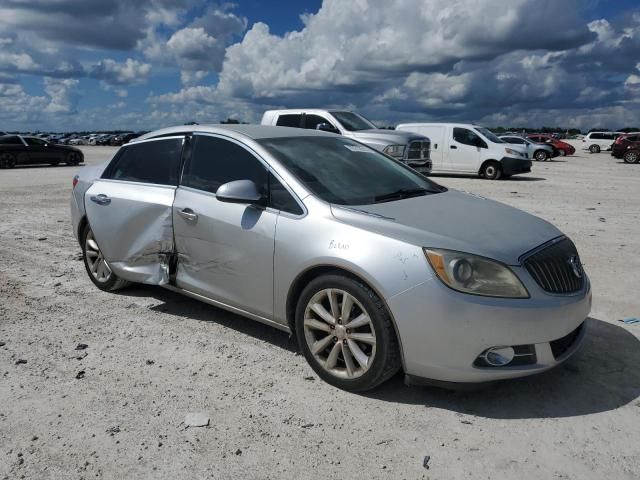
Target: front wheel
(492, 170)
(632, 156)
(73, 158)
(97, 267)
(594, 149)
(7, 160)
(346, 334)
(540, 155)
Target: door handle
(101, 199)
(188, 214)
(454, 147)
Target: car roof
(254, 132)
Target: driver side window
(467, 137)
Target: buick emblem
(574, 263)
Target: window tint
(466, 137)
(281, 199)
(215, 161)
(156, 162)
(289, 121)
(596, 136)
(515, 140)
(34, 141)
(13, 140)
(312, 121)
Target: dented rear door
(130, 210)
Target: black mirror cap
(241, 191)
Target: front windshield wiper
(402, 193)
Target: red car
(563, 148)
(627, 147)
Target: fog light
(499, 356)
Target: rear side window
(215, 161)
(157, 162)
(13, 140)
(34, 141)
(290, 121)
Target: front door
(464, 151)
(38, 150)
(130, 210)
(225, 250)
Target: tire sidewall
(372, 376)
(106, 286)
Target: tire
(73, 158)
(541, 155)
(563, 153)
(103, 277)
(594, 149)
(632, 156)
(7, 160)
(492, 170)
(357, 364)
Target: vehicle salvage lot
(153, 356)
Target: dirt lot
(154, 356)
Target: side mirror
(241, 191)
(326, 127)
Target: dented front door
(132, 224)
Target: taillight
(619, 140)
(75, 180)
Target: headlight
(511, 151)
(475, 275)
(396, 151)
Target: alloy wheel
(631, 157)
(339, 333)
(98, 266)
(7, 161)
(541, 156)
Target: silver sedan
(371, 265)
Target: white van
(466, 148)
(597, 141)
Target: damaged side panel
(133, 226)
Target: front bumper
(513, 166)
(443, 332)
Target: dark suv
(627, 147)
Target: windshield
(345, 172)
(352, 121)
(489, 135)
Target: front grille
(418, 150)
(559, 347)
(554, 268)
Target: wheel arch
(484, 164)
(311, 273)
(81, 226)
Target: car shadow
(603, 375)
(512, 178)
(182, 306)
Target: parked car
(467, 148)
(562, 148)
(77, 141)
(373, 269)
(27, 150)
(627, 147)
(121, 139)
(536, 151)
(594, 142)
(411, 149)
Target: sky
(70, 65)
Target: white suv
(597, 141)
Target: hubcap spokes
(339, 333)
(95, 260)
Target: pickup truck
(409, 148)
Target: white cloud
(128, 72)
(63, 95)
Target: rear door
(225, 250)
(129, 209)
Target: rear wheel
(7, 160)
(632, 156)
(540, 155)
(97, 267)
(594, 149)
(346, 334)
(492, 170)
(73, 158)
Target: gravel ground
(116, 408)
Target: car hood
(454, 220)
(386, 137)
